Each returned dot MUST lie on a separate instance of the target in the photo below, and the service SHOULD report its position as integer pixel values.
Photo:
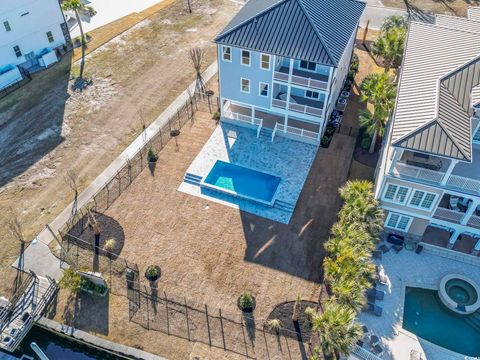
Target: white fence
(304, 109)
(301, 80)
(448, 215)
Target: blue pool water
(242, 181)
(425, 316)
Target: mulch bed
(365, 158)
(303, 327)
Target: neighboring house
(283, 63)
(29, 32)
(428, 179)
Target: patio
(240, 146)
(423, 270)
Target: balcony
(298, 104)
(302, 78)
(452, 208)
(474, 220)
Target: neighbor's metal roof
(313, 30)
(441, 67)
(474, 13)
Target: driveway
(108, 11)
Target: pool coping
(398, 328)
(234, 193)
(96, 342)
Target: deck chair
(453, 203)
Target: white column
(290, 70)
(449, 171)
(253, 115)
(471, 209)
(397, 154)
(453, 239)
(285, 123)
(476, 249)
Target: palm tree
(378, 90)
(394, 21)
(364, 212)
(389, 46)
(76, 6)
(350, 293)
(356, 188)
(337, 329)
(374, 124)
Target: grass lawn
(47, 129)
(451, 7)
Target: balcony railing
(281, 128)
(304, 109)
(243, 118)
(474, 221)
(448, 215)
(464, 184)
(301, 80)
(412, 172)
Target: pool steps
(474, 320)
(266, 133)
(192, 178)
(282, 205)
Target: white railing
(448, 215)
(364, 354)
(474, 221)
(464, 184)
(412, 172)
(304, 109)
(301, 80)
(297, 131)
(282, 104)
(274, 131)
(259, 123)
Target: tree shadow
(249, 321)
(87, 312)
(414, 13)
(25, 138)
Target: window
(50, 36)
(395, 193)
(398, 221)
(308, 65)
(246, 57)
(7, 26)
(422, 199)
(226, 53)
(17, 50)
(263, 89)
(245, 85)
(265, 62)
(312, 94)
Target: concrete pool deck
(424, 270)
(240, 146)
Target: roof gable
(300, 29)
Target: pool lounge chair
(377, 350)
(374, 294)
(374, 309)
(374, 340)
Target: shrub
(355, 63)
(89, 286)
(110, 245)
(152, 157)
(329, 130)
(152, 272)
(216, 116)
(70, 280)
(366, 142)
(325, 142)
(245, 302)
(274, 325)
(310, 312)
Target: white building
(29, 32)
(428, 179)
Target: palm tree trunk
(82, 41)
(374, 140)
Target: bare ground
(451, 7)
(47, 129)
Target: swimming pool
(243, 182)
(425, 316)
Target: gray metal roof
(441, 68)
(474, 13)
(313, 30)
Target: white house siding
(29, 20)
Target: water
(57, 347)
(244, 182)
(461, 292)
(425, 316)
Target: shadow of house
(88, 312)
(33, 120)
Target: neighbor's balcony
(474, 220)
(301, 77)
(298, 104)
(452, 208)
(433, 170)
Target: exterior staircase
(192, 179)
(265, 133)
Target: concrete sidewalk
(38, 257)
(377, 15)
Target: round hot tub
(459, 294)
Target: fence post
(208, 326)
(166, 306)
(188, 323)
(221, 325)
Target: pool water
(425, 316)
(243, 182)
(461, 292)
(58, 347)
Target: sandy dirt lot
(47, 129)
(451, 7)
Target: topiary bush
(246, 302)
